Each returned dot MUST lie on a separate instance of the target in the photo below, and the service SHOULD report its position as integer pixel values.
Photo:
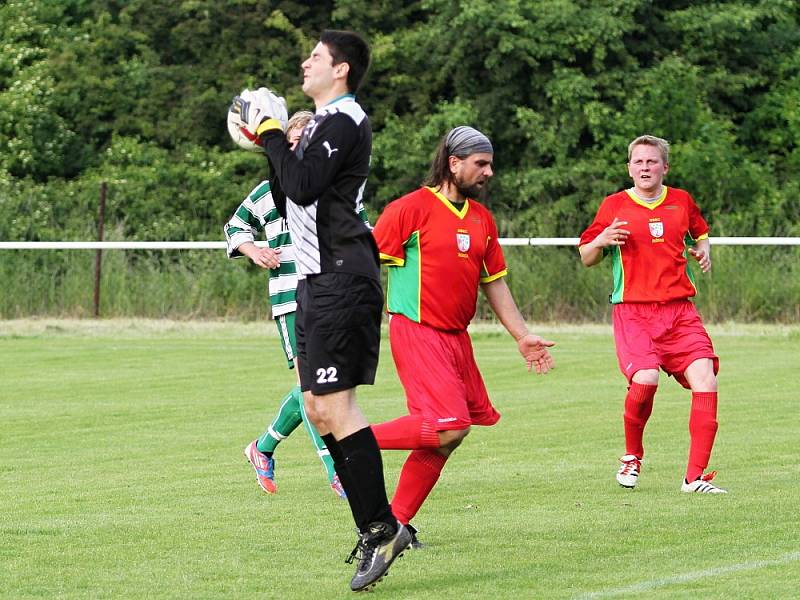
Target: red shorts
(441, 379)
(652, 335)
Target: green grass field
(122, 474)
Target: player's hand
(266, 258)
(273, 106)
(534, 350)
(257, 108)
(703, 259)
(245, 117)
(613, 235)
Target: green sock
(284, 423)
(322, 449)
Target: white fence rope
(220, 245)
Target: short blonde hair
(651, 140)
(299, 119)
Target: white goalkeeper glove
(259, 111)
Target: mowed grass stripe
(691, 577)
(122, 475)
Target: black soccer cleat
(376, 550)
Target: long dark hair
(440, 173)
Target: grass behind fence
(746, 284)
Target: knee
(646, 377)
(315, 411)
(706, 384)
(701, 377)
(312, 414)
(451, 439)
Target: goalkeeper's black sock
(344, 475)
(364, 466)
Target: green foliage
(404, 151)
(35, 139)
(154, 196)
(134, 93)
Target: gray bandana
(463, 141)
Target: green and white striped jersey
(255, 214)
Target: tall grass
(134, 283)
(746, 284)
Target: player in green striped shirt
(258, 213)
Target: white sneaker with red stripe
(628, 473)
(701, 485)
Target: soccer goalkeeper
(339, 296)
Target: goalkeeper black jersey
(320, 186)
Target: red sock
(638, 406)
(419, 474)
(411, 432)
(702, 431)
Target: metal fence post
(98, 256)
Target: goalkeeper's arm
(304, 180)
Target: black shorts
(338, 329)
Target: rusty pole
(98, 257)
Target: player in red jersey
(644, 230)
(441, 245)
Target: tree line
(135, 92)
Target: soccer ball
(241, 137)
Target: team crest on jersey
(462, 240)
(657, 229)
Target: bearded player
(441, 245)
(643, 229)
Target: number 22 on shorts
(329, 375)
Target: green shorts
(285, 325)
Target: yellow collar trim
(459, 213)
(651, 205)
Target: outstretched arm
(532, 347)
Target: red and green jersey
(438, 255)
(651, 266)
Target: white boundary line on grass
(692, 576)
(214, 245)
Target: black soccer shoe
(376, 550)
